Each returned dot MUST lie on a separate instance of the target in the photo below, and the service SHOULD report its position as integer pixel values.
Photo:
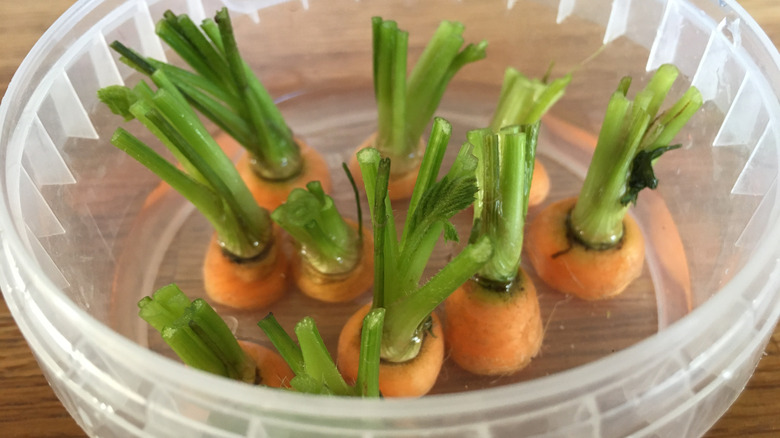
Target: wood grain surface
(28, 407)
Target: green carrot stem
(432, 73)
(430, 165)
(382, 241)
(208, 326)
(390, 46)
(506, 164)
(290, 351)
(367, 382)
(405, 106)
(280, 158)
(197, 334)
(209, 98)
(327, 242)
(133, 59)
(306, 384)
(212, 29)
(412, 263)
(357, 202)
(198, 147)
(193, 351)
(524, 100)
(225, 90)
(653, 95)
(671, 121)
(597, 217)
(403, 320)
(208, 179)
(163, 308)
(622, 162)
(399, 266)
(437, 205)
(319, 363)
(205, 199)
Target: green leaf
(119, 99)
(642, 175)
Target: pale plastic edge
(560, 383)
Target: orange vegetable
(540, 185)
(336, 288)
(493, 333)
(270, 194)
(246, 284)
(573, 268)
(272, 370)
(413, 378)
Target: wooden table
(28, 406)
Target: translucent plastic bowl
(82, 240)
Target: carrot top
(224, 89)
(631, 139)
(207, 177)
(506, 164)
(524, 100)
(328, 243)
(399, 265)
(406, 105)
(315, 371)
(197, 334)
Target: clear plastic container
(82, 239)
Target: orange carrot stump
(493, 332)
(412, 348)
(524, 101)
(574, 268)
(244, 266)
(225, 90)
(588, 246)
(251, 283)
(411, 378)
(315, 371)
(202, 340)
(335, 259)
(493, 325)
(406, 105)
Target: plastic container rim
(292, 403)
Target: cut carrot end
(540, 185)
(271, 194)
(401, 185)
(337, 288)
(247, 285)
(271, 368)
(413, 378)
(572, 268)
(493, 333)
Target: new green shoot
(327, 242)
(197, 334)
(506, 163)
(206, 177)
(398, 264)
(405, 105)
(314, 368)
(631, 139)
(224, 89)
